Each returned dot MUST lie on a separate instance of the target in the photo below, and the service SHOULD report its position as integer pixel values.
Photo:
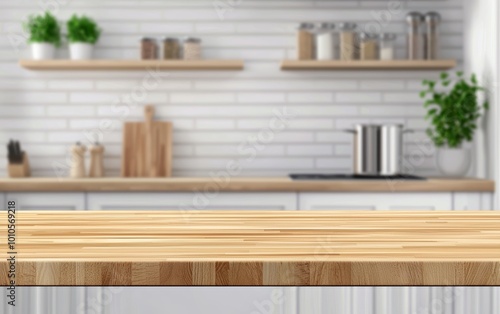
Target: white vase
(453, 162)
(43, 51)
(81, 51)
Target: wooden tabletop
(280, 184)
(254, 248)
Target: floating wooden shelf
(215, 65)
(368, 65)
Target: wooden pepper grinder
(78, 161)
(96, 161)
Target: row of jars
(319, 42)
(173, 48)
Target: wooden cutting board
(147, 147)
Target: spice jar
(305, 41)
(96, 161)
(415, 36)
(348, 44)
(432, 20)
(369, 46)
(149, 49)
(192, 48)
(387, 46)
(77, 169)
(325, 42)
(171, 48)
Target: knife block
(20, 170)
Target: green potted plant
(83, 33)
(453, 111)
(45, 35)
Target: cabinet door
(191, 201)
(472, 201)
(375, 201)
(400, 300)
(206, 300)
(48, 201)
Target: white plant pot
(453, 162)
(81, 51)
(43, 51)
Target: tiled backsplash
(220, 117)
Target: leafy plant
(83, 30)
(43, 29)
(454, 113)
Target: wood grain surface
(255, 248)
(264, 184)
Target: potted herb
(453, 115)
(83, 33)
(45, 35)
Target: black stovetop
(336, 176)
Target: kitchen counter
(134, 248)
(280, 184)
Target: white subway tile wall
(219, 117)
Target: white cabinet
(191, 201)
(472, 201)
(48, 201)
(400, 300)
(188, 300)
(375, 201)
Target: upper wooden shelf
(215, 65)
(368, 65)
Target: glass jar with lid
(325, 41)
(305, 41)
(149, 49)
(368, 47)
(171, 48)
(348, 41)
(192, 48)
(387, 46)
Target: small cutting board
(147, 147)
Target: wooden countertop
(282, 184)
(254, 248)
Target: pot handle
(349, 131)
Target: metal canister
(432, 21)
(415, 37)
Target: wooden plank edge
(261, 273)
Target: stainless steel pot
(392, 148)
(366, 149)
(378, 149)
